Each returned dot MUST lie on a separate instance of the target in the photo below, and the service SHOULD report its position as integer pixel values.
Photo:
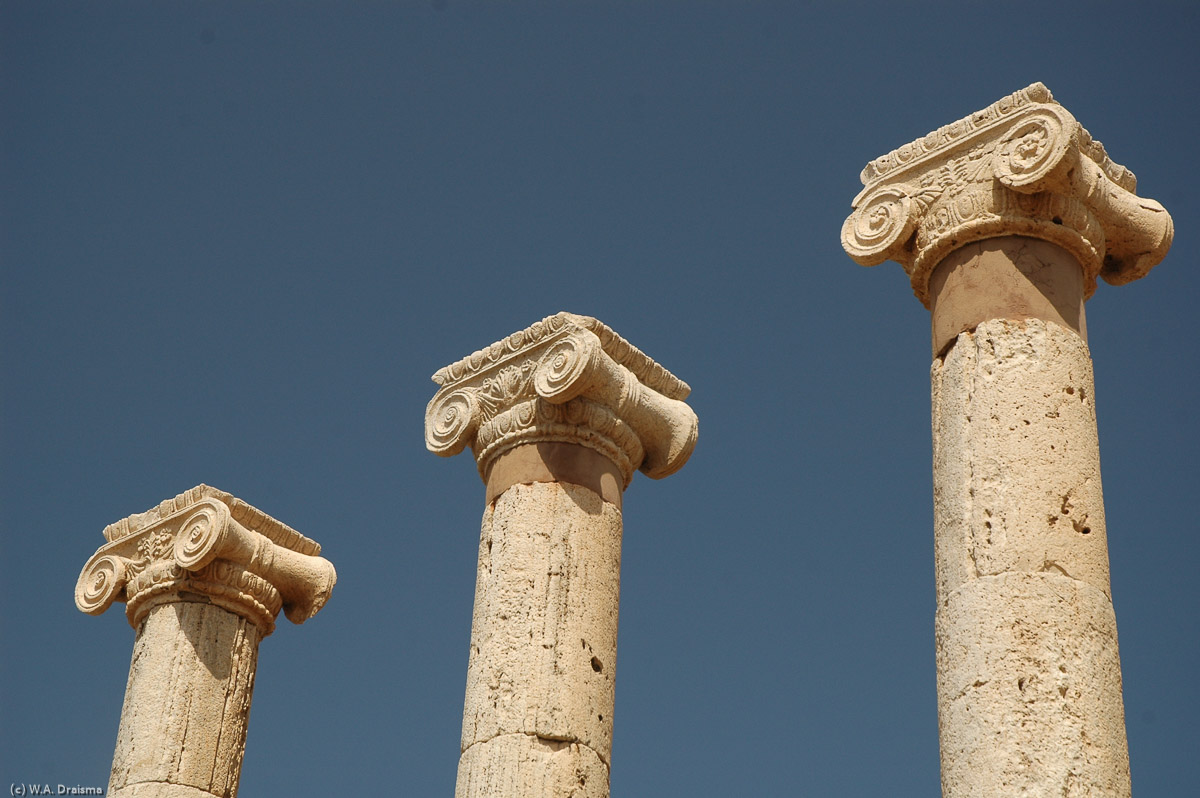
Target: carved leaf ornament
(570, 379)
(198, 544)
(1021, 166)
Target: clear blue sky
(237, 238)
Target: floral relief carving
(155, 545)
(570, 379)
(197, 544)
(509, 382)
(1022, 166)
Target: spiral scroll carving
(649, 373)
(202, 549)
(1023, 166)
(200, 536)
(880, 226)
(566, 379)
(100, 584)
(564, 371)
(1030, 151)
(453, 423)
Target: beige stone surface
(567, 378)
(187, 703)
(1021, 166)
(1029, 676)
(161, 790)
(555, 462)
(531, 767)
(1012, 277)
(1003, 220)
(207, 544)
(559, 416)
(543, 655)
(203, 577)
(1029, 689)
(1016, 460)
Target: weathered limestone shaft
(559, 416)
(1026, 634)
(1003, 221)
(540, 677)
(203, 577)
(187, 703)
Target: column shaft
(203, 577)
(559, 416)
(541, 675)
(187, 704)
(1004, 220)
(1029, 685)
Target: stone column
(203, 577)
(1003, 220)
(559, 416)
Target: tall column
(203, 577)
(1003, 220)
(559, 416)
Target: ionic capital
(1022, 166)
(566, 379)
(209, 546)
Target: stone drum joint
(1003, 221)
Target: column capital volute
(567, 379)
(206, 545)
(1022, 166)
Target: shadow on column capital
(1022, 166)
(565, 379)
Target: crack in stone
(552, 742)
(1051, 565)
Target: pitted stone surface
(1016, 457)
(544, 633)
(1004, 220)
(161, 789)
(1029, 690)
(1029, 685)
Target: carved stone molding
(1021, 166)
(567, 379)
(207, 545)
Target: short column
(1003, 221)
(559, 416)
(203, 577)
